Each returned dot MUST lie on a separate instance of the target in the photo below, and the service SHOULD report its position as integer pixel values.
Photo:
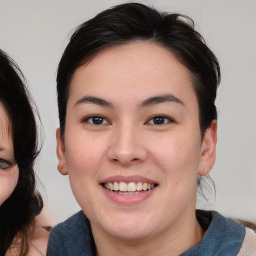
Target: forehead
(138, 68)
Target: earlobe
(208, 149)
(60, 150)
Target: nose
(127, 146)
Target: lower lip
(128, 199)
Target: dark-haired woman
(138, 126)
(19, 201)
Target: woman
(20, 203)
(138, 126)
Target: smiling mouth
(131, 188)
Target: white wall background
(35, 34)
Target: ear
(60, 150)
(208, 149)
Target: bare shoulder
(38, 242)
(39, 239)
(38, 235)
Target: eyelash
(160, 118)
(91, 119)
(4, 164)
(100, 120)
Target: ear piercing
(203, 172)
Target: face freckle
(8, 169)
(137, 81)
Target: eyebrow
(148, 102)
(94, 100)
(160, 99)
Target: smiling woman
(136, 96)
(20, 203)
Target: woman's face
(9, 172)
(133, 147)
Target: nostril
(125, 161)
(127, 155)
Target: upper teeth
(130, 187)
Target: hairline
(88, 59)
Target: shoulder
(223, 236)
(230, 234)
(249, 244)
(214, 223)
(76, 223)
(38, 242)
(71, 237)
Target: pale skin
(9, 174)
(132, 110)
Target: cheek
(177, 151)
(8, 182)
(178, 157)
(84, 165)
(85, 157)
(84, 154)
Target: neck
(173, 241)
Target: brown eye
(160, 120)
(96, 120)
(4, 164)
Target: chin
(129, 227)
(130, 234)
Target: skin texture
(8, 176)
(129, 142)
(37, 244)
